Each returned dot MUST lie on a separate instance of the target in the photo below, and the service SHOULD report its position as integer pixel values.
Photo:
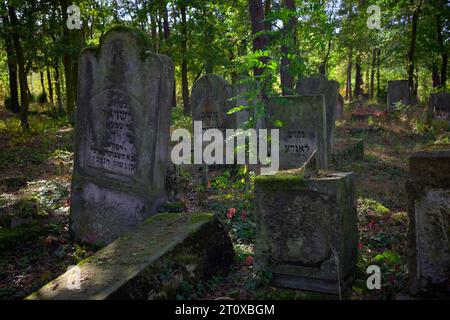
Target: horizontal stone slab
(431, 163)
(190, 246)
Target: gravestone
(429, 213)
(306, 229)
(398, 91)
(330, 90)
(210, 103)
(340, 108)
(439, 105)
(303, 129)
(122, 135)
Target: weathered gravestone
(210, 103)
(122, 134)
(398, 91)
(439, 105)
(429, 213)
(303, 129)
(330, 90)
(306, 229)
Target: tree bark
(435, 75)
(378, 74)
(372, 73)
(50, 87)
(12, 64)
(166, 22)
(41, 74)
(286, 77)
(444, 54)
(412, 48)
(67, 62)
(184, 66)
(348, 90)
(358, 78)
(24, 97)
(258, 26)
(58, 88)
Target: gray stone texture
(429, 229)
(306, 233)
(122, 136)
(439, 105)
(192, 246)
(303, 129)
(398, 91)
(317, 85)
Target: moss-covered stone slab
(306, 229)
(429, 229)
(151, 263)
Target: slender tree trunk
(259, 41)
(348, 90)
(166, 22)
(412, 47)
(358, 78)
(12, 64)
(41, 74)
(153, 32)
(372, 73)
(50, 87)
(378, 74)
(444, 54)
(435, 75)
(67, 61)
(58, 88)
(286, 77)
(184, 66)
(24, 97)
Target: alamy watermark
(374, 20)
(211, 147)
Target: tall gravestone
(210, 103)
(398, 91)
(428, 191)
(122, 135)
(330, 90)
(303, 129)
(439, 105)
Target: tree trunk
(348, 90)
(44, 94)
(24, 97)
(153, 32)
(358, 78)
(412, 47)
(50, 87)
(12, 64)
(378, 74)
(444, 54)
(435, 75)
(184, 71)
(260, 41)
(286, 77)
(372, 73)
(58, 88)
(67, 62)
(166, 22)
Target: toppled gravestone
(122, 136)
(306, 229)
(184, 247)
(429, 229)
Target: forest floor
(39, 247)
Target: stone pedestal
(307, 232)
(429, 229)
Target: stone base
(186, 247)
(312, 284)
(306, 229)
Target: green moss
(283, 179)
(164, 217)
(200, 217)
